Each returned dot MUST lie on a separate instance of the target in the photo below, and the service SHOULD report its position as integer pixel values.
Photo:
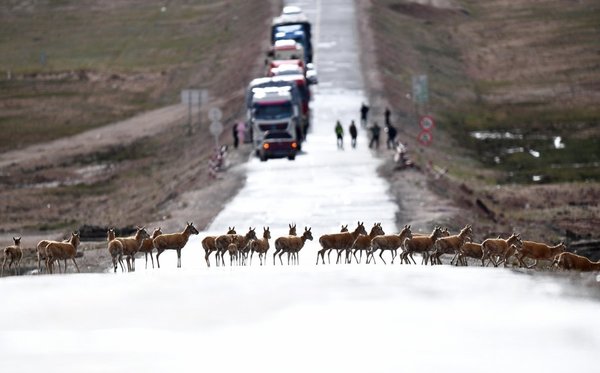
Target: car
(278, 144)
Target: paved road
(350, 318)
(324, 187)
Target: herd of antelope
(241, 248)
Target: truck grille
(273, 127)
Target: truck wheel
(263, 158)
(292, 157)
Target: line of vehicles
(278, 111)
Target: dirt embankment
(515, 146)
(147, 170)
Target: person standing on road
(391, 139)
(339, 133)
(364, 114)
(388, 115)
(353, 133)
(236, 139)
(375, 130)
(241, 131)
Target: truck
(273, 111)
(294, 26)
(302, 84)
(288, 49)
(278, 82)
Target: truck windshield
(279, 110)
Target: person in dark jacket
(353, 133)
(236, 138)
(364, 114)
(375, 130)
(391, 139)
(388, 115)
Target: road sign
(216, 128)
(425, 138)
(194, 96)
(427, 123)
(420, 89)
(215, 114)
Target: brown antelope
(363, 243)
(291, 245)
(261, 246)
(342, 230)
(498, 247)
(222, 242)
(14, 253)
(450, 244)
(148, 246)
(389, 242)
(131, 245)
(469, 250)
(62, 250)
(115, 249)
(209, 244)
(571, 261)
(174, 241)
(292, 230)
(339, 241)
(538, 251)
(419, 244)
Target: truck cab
(293, 26)
(281, 83)
(288, 49)
(273, 110)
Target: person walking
(339, 133)
(364, 114)
(391, 139)
(353, 133)
(375, 130)
(388, 115)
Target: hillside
(71, 66)
(514, 88)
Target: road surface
(350, 318)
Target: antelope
(420, 244)
(222, 242)
(571, 261)
(339, 241)
(388, 242)
(291, 245)
(174, 241)
(450, 244)
(15, 253)
(363, 243)
(498, 247)
(538, 251)
(209, 244)
(261, 246)
(115, 249)
(62, 250)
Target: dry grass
(76, 65)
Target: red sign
(425, 138)
(427, 123)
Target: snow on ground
(351, 318)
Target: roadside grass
(69, 66)
(529, 68)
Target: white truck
(274, 111)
